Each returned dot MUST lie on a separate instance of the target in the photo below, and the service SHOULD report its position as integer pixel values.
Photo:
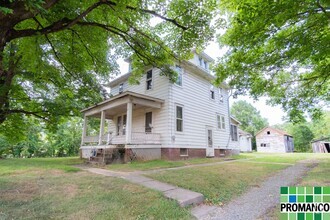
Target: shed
(321, 145)
(272, 140)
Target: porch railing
(137, 138)
(145, 138)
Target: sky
(274, 115)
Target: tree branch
(21, 111)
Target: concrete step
(185, 197)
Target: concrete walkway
(258, 200)
(182, 196)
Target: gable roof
(241, 132)
(274, 129)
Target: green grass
(10, 166)
(284, 157)
(46, 188)
(219, 183)
(159, 164)
(319, 175)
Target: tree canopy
(249, 117)
(279, 49)
(55, 55)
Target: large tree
(279, 49)
(54, 55)
(249, 117)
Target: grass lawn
(158, 164)
(219, 183)
(52, 188)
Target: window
(183, 152)
(212, 96)
(220, 95)
(233, 132)
(148, 126)
(179, 118)
(205, 64)
(178, 69)
(124, 124)
(118, 124)
(268, 132)
(265, 145)
(221, 124)
(149, 80)
(121, 88)
(200, 61)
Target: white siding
(199, 112)
(160, 89)
(275, 141)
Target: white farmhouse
(160, 119)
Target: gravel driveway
(255, 203)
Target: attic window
(121, 88)
(149, 80)
(200, 61)
(268, 132)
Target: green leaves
(279, 49)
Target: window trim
(176, 118)
(221, 97)
(150, 79)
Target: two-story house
(160, 119)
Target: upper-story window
(212, 96)
(178, 81)
(205, 64)
(221, 124)
(220, 95)
(121, 88)
(149, 80)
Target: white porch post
(129, 122)
(84, 131)
(101, 127)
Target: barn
(272, 140)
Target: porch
(117, 113)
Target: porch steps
(102, 158)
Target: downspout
(229, 120)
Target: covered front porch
(116, 118)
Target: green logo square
(292, 190)
(326, 216)
(326, 190)
(317, 216)
(326, 198)
(317, 190)
(309, 216)
(309, 190)
(301, 190)
(284, 190)
(309, 198)
(317, 198)
(284, 199)
(301, 198)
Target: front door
(209, 148)
(148, 125)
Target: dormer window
(121, 88)
(149, 80)
(178, 81)
(200, 61)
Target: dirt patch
(22, 192)
(70, 190)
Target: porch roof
(119, 101)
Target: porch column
(129, 122)
(84, 131)
(101, 127)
